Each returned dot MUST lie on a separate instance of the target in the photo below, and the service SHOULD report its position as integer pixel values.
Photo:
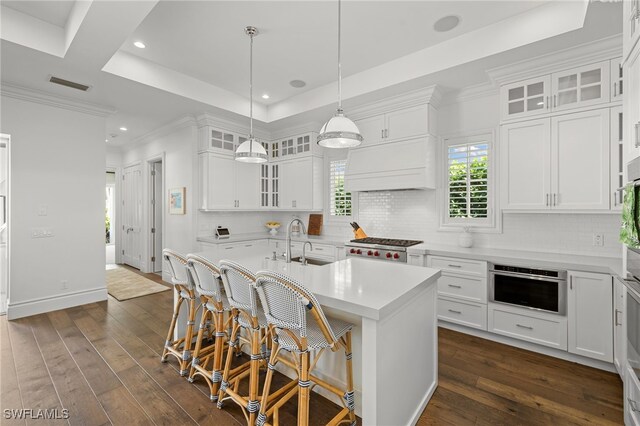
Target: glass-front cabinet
(582, 86)
(525, 98)
(617, 79)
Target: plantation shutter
(340, 201)
(468, 195)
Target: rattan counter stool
(239, 285)
(181, 347)
(298, 325)
(207, 361)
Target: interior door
(132, 216)
(156, 219)
(580, 160)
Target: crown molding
(310, 127)
(429, 95)
(470, 93)
(206, 119)
(181, 123)
(12, 90)
(583, 54)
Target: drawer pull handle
(633, 405)
(249, 245)
(618, 311)
(454, 312)
(319, 249)
(451, 265)
(524, 326)
(228, 248)
(454, 286)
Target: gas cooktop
(386, 242)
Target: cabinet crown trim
(431, 95)
(584, 54)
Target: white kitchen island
(395, 339)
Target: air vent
(68, 83)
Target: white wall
(57, 164)
(180, 169)
(113, 155)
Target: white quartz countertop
(366, 288)
(236, 238)
(598, 264)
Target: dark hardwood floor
(101, 362)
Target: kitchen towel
(629, 230)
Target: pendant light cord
(339, 58)
(251, 88)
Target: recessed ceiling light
(124, 129)
(106, 140)
(297, 83)
(139, 45)
(265, 96)
(446, 23)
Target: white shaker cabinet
(616, 157)
(399, 124)
(301, 183)
(632, 105)
(582, 86)
(543, 163)
(226, 184)
(580, 161)
(589, 312)
(526, 98)
(525, 166)
(616, 74)
(620, 328)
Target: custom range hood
(408, 164)
(399, 147)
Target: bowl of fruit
(273, 226)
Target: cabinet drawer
(543, 331)
(453, 264)
(463, 313)
(461, 286)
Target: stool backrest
(177, 267)
(287, 302)
(205, 276)
(239, 284)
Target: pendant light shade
(339, 131)
(251, 151)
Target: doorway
(4, 222)
(132, 215)
(155, 236)
(110, 218)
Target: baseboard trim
(556, 353)
(27, 308)
(423, 404)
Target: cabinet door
(371, 128)
(631, 25)
(616, 157)
(525, 98)
(287, 185)
(406, 123)
(247, 185)
(619, 323)
(220, 182)
(525, 172)
(582, 86)
(617, 79)
(580, 160)
(590, 316)
(632, 107)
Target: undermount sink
(311, 261)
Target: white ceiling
(53, 12)
(199, 61)
(298, 40)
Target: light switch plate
(42, 210)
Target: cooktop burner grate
(386, 241)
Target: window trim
(329, 157)
(493, 222)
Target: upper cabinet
(291, 146)
(569, 89)
(631, 26)
(301, 184)
(616, 74)
(226, 184)
(543, 163)
(525, 98)
(395, 125)
(580, 86)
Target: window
(339, 200)
(468, 181)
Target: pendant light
(251, 151)
(339, 131)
